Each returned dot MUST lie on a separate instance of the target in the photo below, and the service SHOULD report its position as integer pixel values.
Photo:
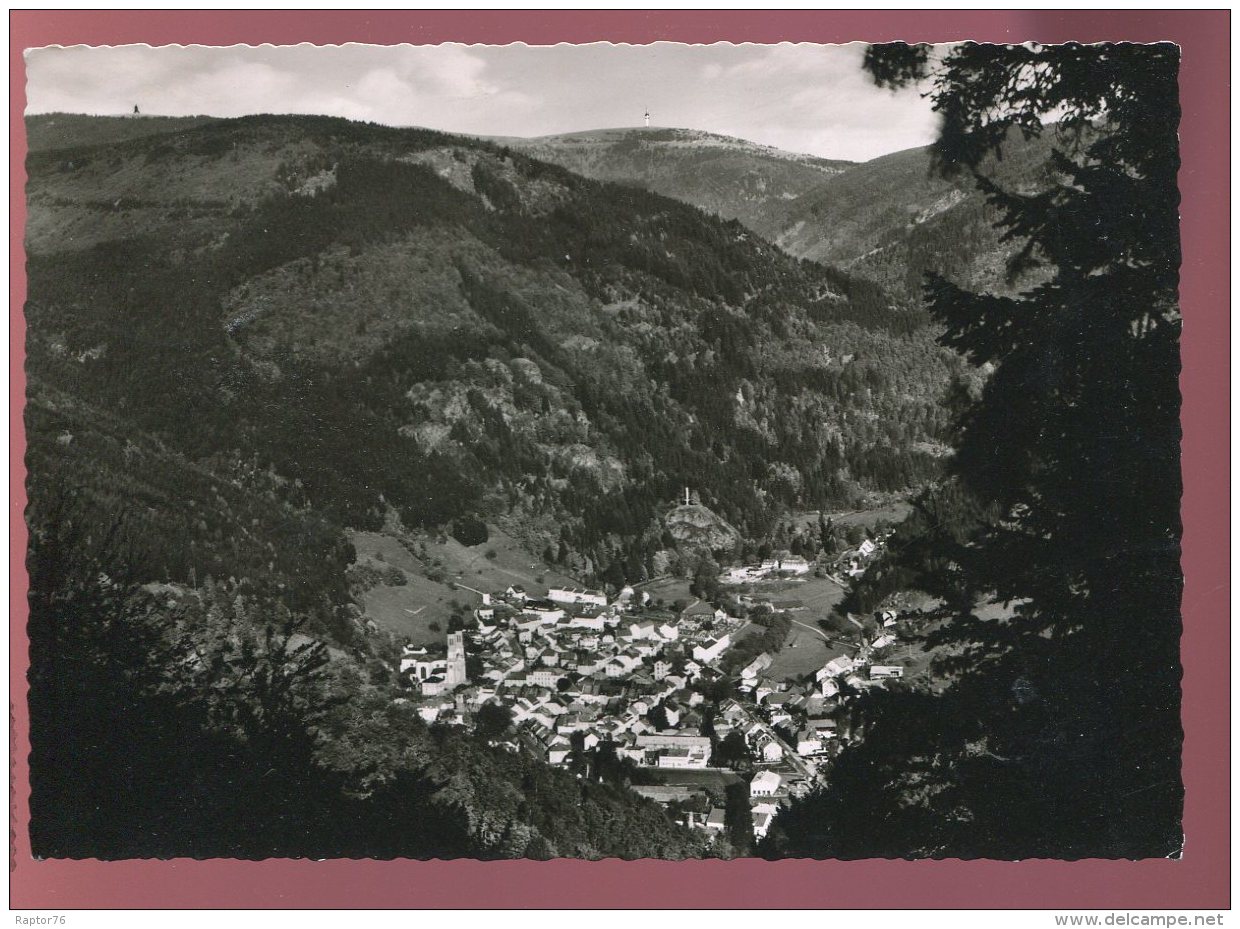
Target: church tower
(456, 660)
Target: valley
(498, 431)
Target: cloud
(803, 97)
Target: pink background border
(1199, 880)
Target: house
(880, 672)
(699, 610)
(545, 677)
(763, 815)
(515, 593)
(641, 630)
(757, 666)
(825, 728)
(835, 667)
(789, 565)
(575, 595)
(780, 717)
(711, 649)
(883, 641)
(771, 752)
(668, 632)
(715, 821)
(558, 751)
(765, 784)
(808, 742)
(866, 548)
(675, 751)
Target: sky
(799, 97)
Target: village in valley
(720, 711)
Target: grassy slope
(409, 610)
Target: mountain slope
(395, 318)
(732, 178)
(888, 220)
(892, 219)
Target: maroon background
(1199, 880)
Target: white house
(763, 814)
(593, 623)
(835, 667)
(765, 784)
(675, 751)
(711, 649)
(576, 595)
(545, 677)
(771, 752)
(790, 565)
(558, 751)
(757, 666)
(880, 672)
(808, 742)
(668, 632)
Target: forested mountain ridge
(395, 319)
(888, 220)
(732, 178)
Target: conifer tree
(1060, 736)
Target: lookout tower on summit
(647, 118)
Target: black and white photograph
(600, 451)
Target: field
(492, 565)
(409, 610)
(718, 778)
(893, 513)
(437, 585)
(668, 589)
(805, 650)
